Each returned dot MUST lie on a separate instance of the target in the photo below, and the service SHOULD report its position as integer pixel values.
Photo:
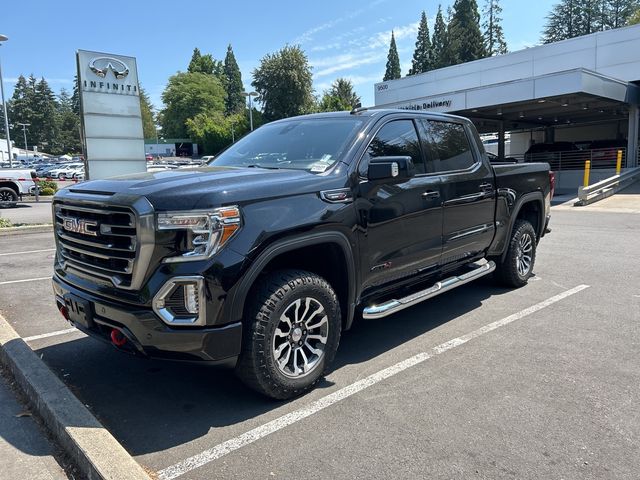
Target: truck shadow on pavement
(151, 405)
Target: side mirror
(390, 168)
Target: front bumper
(145, 333)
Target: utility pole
(4, 38)
(24, 131)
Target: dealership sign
(429, 105)
(111, 116)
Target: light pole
(250, 94)
(24, 131)
(4, 38)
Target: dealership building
(578, 91)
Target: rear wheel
(62, 176)
(293, 331)
(8, 197)
(517, 266)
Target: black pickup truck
(262, 259)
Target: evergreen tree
(234, 101)
(43, 121)
(464, 37)
(573, 18)
(285, 84)
(339, 97)
(75, 97)
(439, 41)
(19, 107)
(204, 64)
(393, 62)
(635, 18)
(494, 42)
(146, 109)
(68, 127)
(422, 61)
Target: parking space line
(25, 280)
(28, 251)
(50, 334)
(262, 431)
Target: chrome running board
(392, 306)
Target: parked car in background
(604, 153)
(66, 171)
(559, 155)
(14, 183)
(149, 157)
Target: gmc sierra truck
(261, 259)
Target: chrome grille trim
(123, 247)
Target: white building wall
(614, 53)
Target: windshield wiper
(257, 165)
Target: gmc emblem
(81, 226)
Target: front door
(400, 221)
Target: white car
(69, 170)
(13, 184)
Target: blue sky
(347, 38)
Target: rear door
(467, 189)
(400, 221)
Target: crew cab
(263, 258)
(14, 183)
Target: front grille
(97, 241)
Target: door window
(449, 146)
(396, 138)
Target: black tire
(8, 197)
(273, 298)
(512, 272)
(62, 176)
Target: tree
(146, 109)
(464, 37)
(186, 95)
(634, 19)
(234, 101)
(494, 42)
(43, 121)
(422, 61)
(20, 107)
(68, 127)
(284, 83)
(573, 18)
(214, 131)
(393, 62)
(439, 41)
(204, 64)
(339, 97)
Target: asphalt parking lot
(481, 382)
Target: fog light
(180, 301)
(191, 298)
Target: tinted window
(310, 144)
(396, 138)
(449, 146)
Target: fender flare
(523, 200)
(239, 297)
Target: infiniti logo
(101, 65)
(81, 226)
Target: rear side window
(449, 146)
(396, 138)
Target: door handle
(430, 194)
(487, 187)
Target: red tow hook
(117, 338)
(64, 311)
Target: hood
(209, 187)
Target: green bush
(45, 184)
(47, 191)
(4, 223)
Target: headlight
(207, 231)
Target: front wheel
(517, 266)
(293, 330)
(8, 197)
(62, 176)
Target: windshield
(313, 145)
